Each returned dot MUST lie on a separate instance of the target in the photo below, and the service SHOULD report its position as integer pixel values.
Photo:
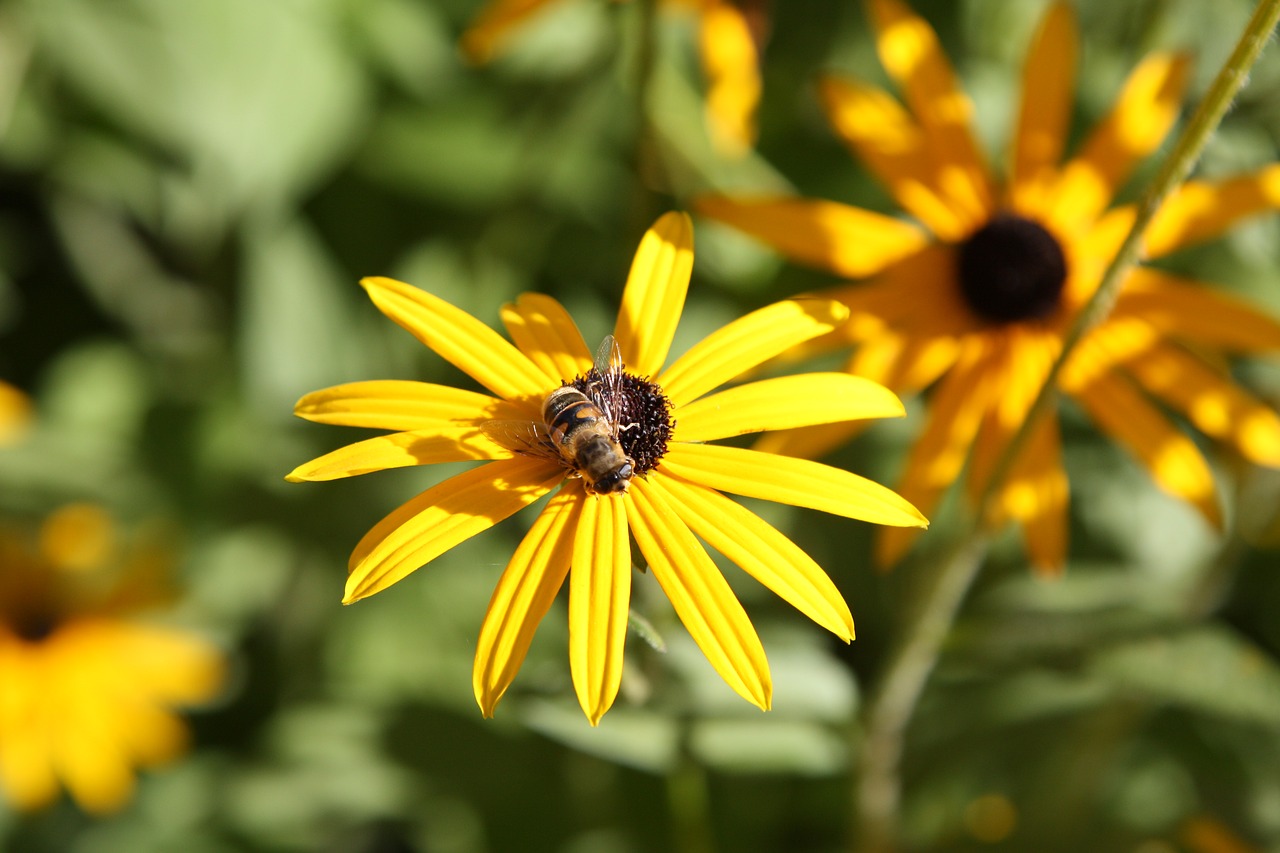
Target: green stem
(878, 791)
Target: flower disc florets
(1012, 269)
(638, 406)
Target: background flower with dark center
(730, 33)
(674, 497)
(86, 685)
(975, 300)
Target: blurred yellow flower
(728, 39)
(15, 414)
(87, 686)
(673, 494)
(975, 300)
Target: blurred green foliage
(189, 192)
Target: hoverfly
(580, 428)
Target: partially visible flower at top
(15, 414)
(976, 299)
(672, 497)
(86, 684)
(729, 36)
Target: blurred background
(189, 193)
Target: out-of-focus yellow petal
(699, 594)
(745, 343)
(892, 302)
(1175, 463)
(15, 414)
(461, 339)
(1199, 211)
(939, 454)
(523, 596)
(426, 526)
(26, 768)
(599, 596)
(1044, 114)
(912, 56)
(400, 450)
(760, 550)
(1195, 311)
(403, 405)
(654, 296)
(783, 403)
(1143, 114)
(546, 333)
(732, 66)
(1036, 496)
(493, 25)
(848, 241)
(890, 143)
(797, 482)
(1210, 400)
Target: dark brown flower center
(1011, 269)
(34, 624)
(638, 406)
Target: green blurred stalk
(879, 744)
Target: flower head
(88, 686)
(729, 33)
(672, 495)
(976, 298)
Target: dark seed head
(1012, 269)
(641, 409)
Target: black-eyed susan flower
(974, 297)
(87, 685)
(674, 493)
(727, 42)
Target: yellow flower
(727, 40)
(975, 299)
(673, 497)
(86, 687)
(15, 414)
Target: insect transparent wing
(606, 381)
(521, 436)
(608, 357)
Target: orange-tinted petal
(1036, 496)
(732, 67)
(1195, 311)
(546, 333)
(848, 241)
(654, 296)
(599, 595)
(1044, 114)
(493, 25)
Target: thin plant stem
(878, 780)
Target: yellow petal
(745, 343)
(1210, 400)
(891, 144)
(546, 333)
(1143, 114)
(444, 515)
(1044, 116)
(913, 57)
(699, 594)
(402, 405)
(848, 241)
(599, 597)
(1202, 210)
(785, 402)
(524, 594)
(26, 768)
(1173, 460)
(15, 414)
(461, 339)
(798, 482)
(892, 300)
(654, 297)
(1195, 311)
(1036, 495)
(493, 25)
(732, 67)
(760, 550)
(446, 443)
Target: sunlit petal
(15, 414)
(760, 550)
(848, 241)
(599, 595)
(402, 405)
(524, 594)
(493, 25)
(699, 594)
(746, 343)
(1044, 115)
(444, 515)
(1036, 496)
(654, 296)
(1195, 311)
(798, 482)
(912, 56)
(784, 403)
(545, 332)
(461, 339)
(732, 67)
(918, 296)
(447, 443)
